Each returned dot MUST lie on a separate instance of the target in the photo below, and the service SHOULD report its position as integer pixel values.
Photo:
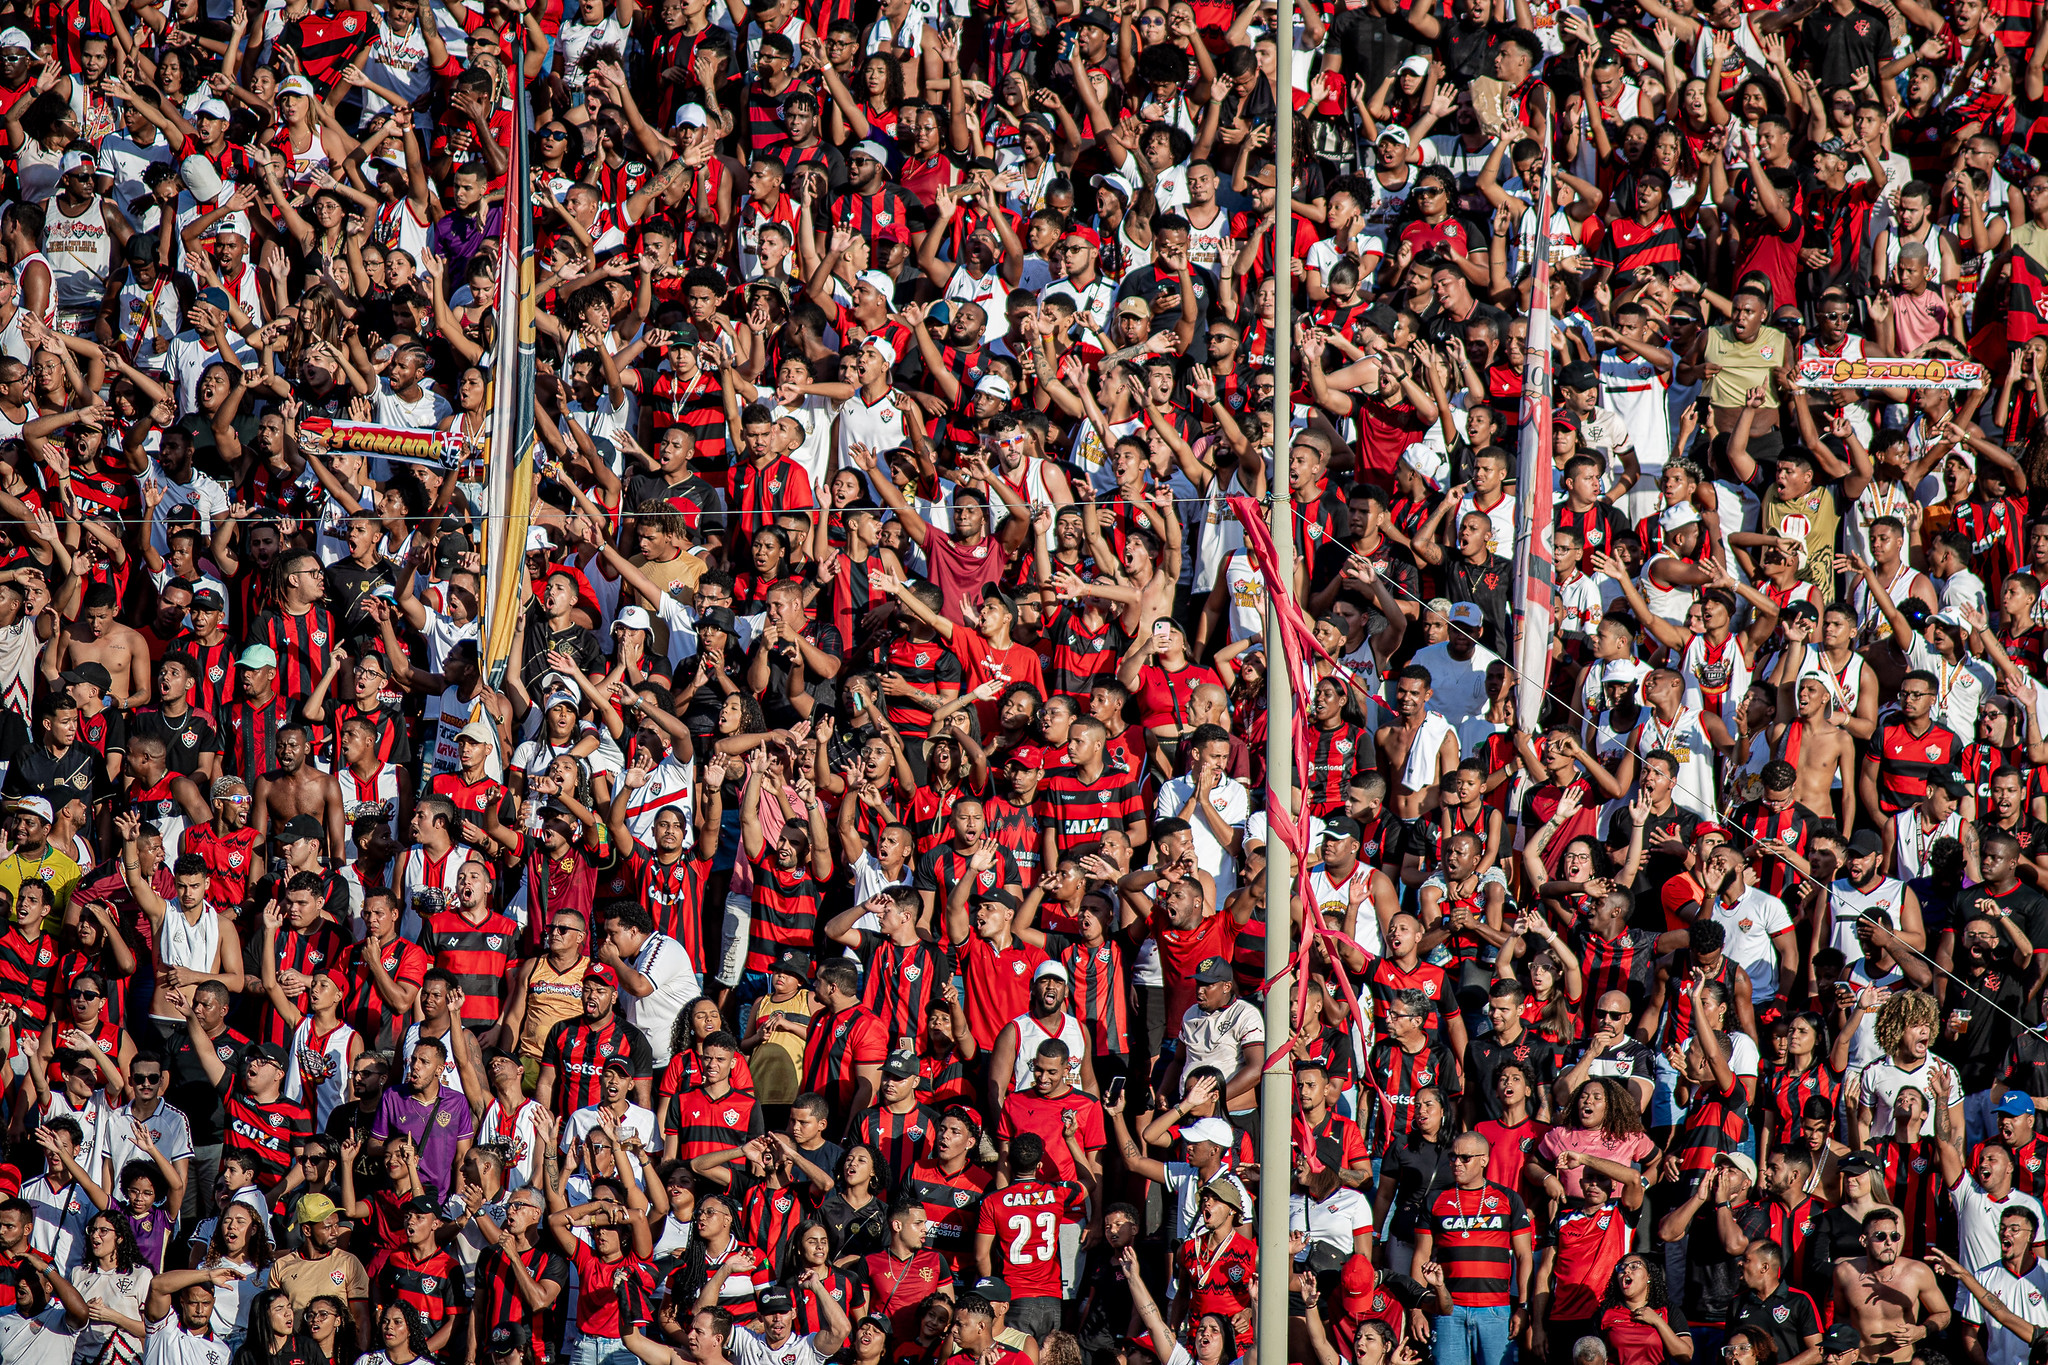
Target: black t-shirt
(2028, 907)
(1485, 1055)
(193, 1091)
(185, 738)
(1658, 868)
(1988, 1034)
(1420, 1171)
(1839, 45)
(1713, 1277)
(349, 584)
(35, 771)
(1788, 1316)
(776, 706)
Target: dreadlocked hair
(1902, 1012)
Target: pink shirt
(1591, 1142)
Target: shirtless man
(1818, 749)
(193, 943)
(296, 787)
(1415, 774)
(98, 637)
(1851, 682)
(1891, 1300)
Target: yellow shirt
(54, 868)
(1744, 365)
(777, 1063)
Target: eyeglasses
(1917, 692)
(321, 1315)
(1886, 1236)
(368, 1073)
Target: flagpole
(1276, 1086)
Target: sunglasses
(86, 995)
(153, 1078)
(554, 135)
(1611, 1014)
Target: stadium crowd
(837, 933)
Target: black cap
(1214, 971)
(991, 593)
(995, 1291)
(999, 897)
(1582, 374)
(504, 1340)
(901, 1065)
(1803, 609)
(683, 334)
(265, 1052)
(1839, 1338)
(206, 599)
(1097, 18)
(793, 963)
(141, 248)
(300, 827)
(1341, 827)
(1381, 318)
(1856, 1163)
(1865, 842)
(718, 618)
(419, 1203)
(620, 1064)
(89, 672)
(880, 1322)
(775, 1299)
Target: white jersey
(1849, 905)
(316, 1071)
(1206, 245)
(1245, 588)
(1721, 678)
(1685, 739)
(81, 253)
(365, 798)
(1871, 625)
(1845, 685)
(423, 872)
(142, 317)
(1333, 898)
(49, 317)
(1031, 1035)
(398, 62)
(1670, 604)
(1221, 531)
(1912, 841)
(181, 943)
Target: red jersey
(1025, 1219)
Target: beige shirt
(339, 1274)
(1744, 365)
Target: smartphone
(860, 702)
(1114, 1093)
(1160, 630)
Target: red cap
(1709, 827)
(10, 1180)
(599, 971)
(1300, 100)
(893, 232)
(1332, 101)
(1031, 755)
(1086, 234)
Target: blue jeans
(1474, 1336)
(591, 1350)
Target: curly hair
(1624, 1116)
(1902, 1012)
(126, 1255)
(1653, 1267)
(256, 1252)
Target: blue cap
(2017, 1104)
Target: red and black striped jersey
(1590, 1241)
(1627, 962)
(2029, 1164)
(477, 954)
(270, 1132)
(928, 666)
(866, 212)
(1912, 1174)
(366, 1010)
(1628, 244)
(685, 1071)
(785, 912)
(577, 1049)
(902, 981)
(1218, 1279)
(755, 494)
(928, 814)
(951, 1202)
(28, 968)
(249, 733)
(673, 895)
(1098, 994)
(498, 1300)
(943, 1080)
(811, 1318)
(1334, 754)
(837, 1046)
(1081, 812)
(903, 1139)
(228, 857)
(1386, 976)
(215, 688)
(1016, 829)
(1081, 657)
(1982, 762)
(1789, 1228)
(1905, 761)
(703, 1123)
(1716, 1122)
(431, 1285)
(1790, 1090)
(767, 1218)
(1473, 1233)
(1794, 824)
(1402, 1075)
(303, 644)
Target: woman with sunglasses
(87, 1024)
(113, 1278)
(1639, 1320)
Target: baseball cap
(212, 108)
(1116, 183)
(602, 972)
(1340, 827)
(1865, 842)
(1427, 463)
(206, 599)
(1212, 1130)
(1050, 968)
(73, 161)
(1081, 232)
(15, 38)
(1097, 18)
(995, 386)
(995, 1291)
(1579, 375)
(1630, 671)
(314, 1208)
(140, 250)
(216, 297)
(872, 150)
(684, 335)
(2017, 1103)
(718, 618)
(636, 618)
(793, 963)
(1856, 1163)
(1741, 1162)
(1464, 614)
(1134, 308)
(1839, 1338)
(558, 699)
(880, 1322)
(881, 347)
(623, 1064)
(505, 1340)
(893, 232)
(1030, 756)
(1225, 1190)
(419, 1203)
(478, 730)
(1831, 146)
(89, 672)
(1678, 516)
(901, 1065)
(300, 827)
(265, 1052)
(1214, 971)
(775, 1299)
(692, 116)
(297, 85)
(1394, 132)
(32, 805)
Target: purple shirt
(152, 1234)
(459, 237)
(435, 1129)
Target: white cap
(1630, 671)
(1464, 614)
(872, 150)
(1050, 968)
(1966, 455)
(635, 618)
(555, 699)
(1426, 462)
(15, 38)
(1117, 183)
(71, 161)
(1679, 516)
(995, 386)
(1415, 66)
(298, 85)
(1210, 1130)
(211, 108)
(1394, 132)
(692, 116)
(537, 540)
(33, 805)
(882, 348)
(881, 283)
(199, 175)
(479, 730)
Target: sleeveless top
(316, 1072)
(1671, 604)
(1721, 682)
(1911, 841)
(1849, 905)
(1685, 740)
(551, 997)
(180, 943)
(1030, 1033)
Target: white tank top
(180, 943)
(422, 873)
(1333, 898)
(1849, 905)
(1221, 532)
(49, 318)
(1726, 678)
(80, 253)
(1246, 588)
(316, 1073)
(360, 797)
(1911, 843)
(1207, 244)
(1685, 740)
(1030, 1034)
(1420, 769)
(1671, 604)
(1030, 486)
(1871, 625)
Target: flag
(1535, 568)
(325, 46)
(508, 492)
(2026, 304)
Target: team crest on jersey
(1603, 1221)
(1429, 989)
(1017, 967)
(1991, 982)
(1423, 1077)
(427, 1284)
(319, 637)
(2034, 1296)
(494, 941)
(1235, 1274)
(1805, 1226)
(224, 1052)
(1745, 925)
(189, 740)
(1343, 746)
(1933, 752)
(1920, 1165)
(731, 1117)
(234, 860)
(912, 972)
(1102, 954)
(45, 957)
(1782, 1313)
(216, 673)
(339, 1278)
